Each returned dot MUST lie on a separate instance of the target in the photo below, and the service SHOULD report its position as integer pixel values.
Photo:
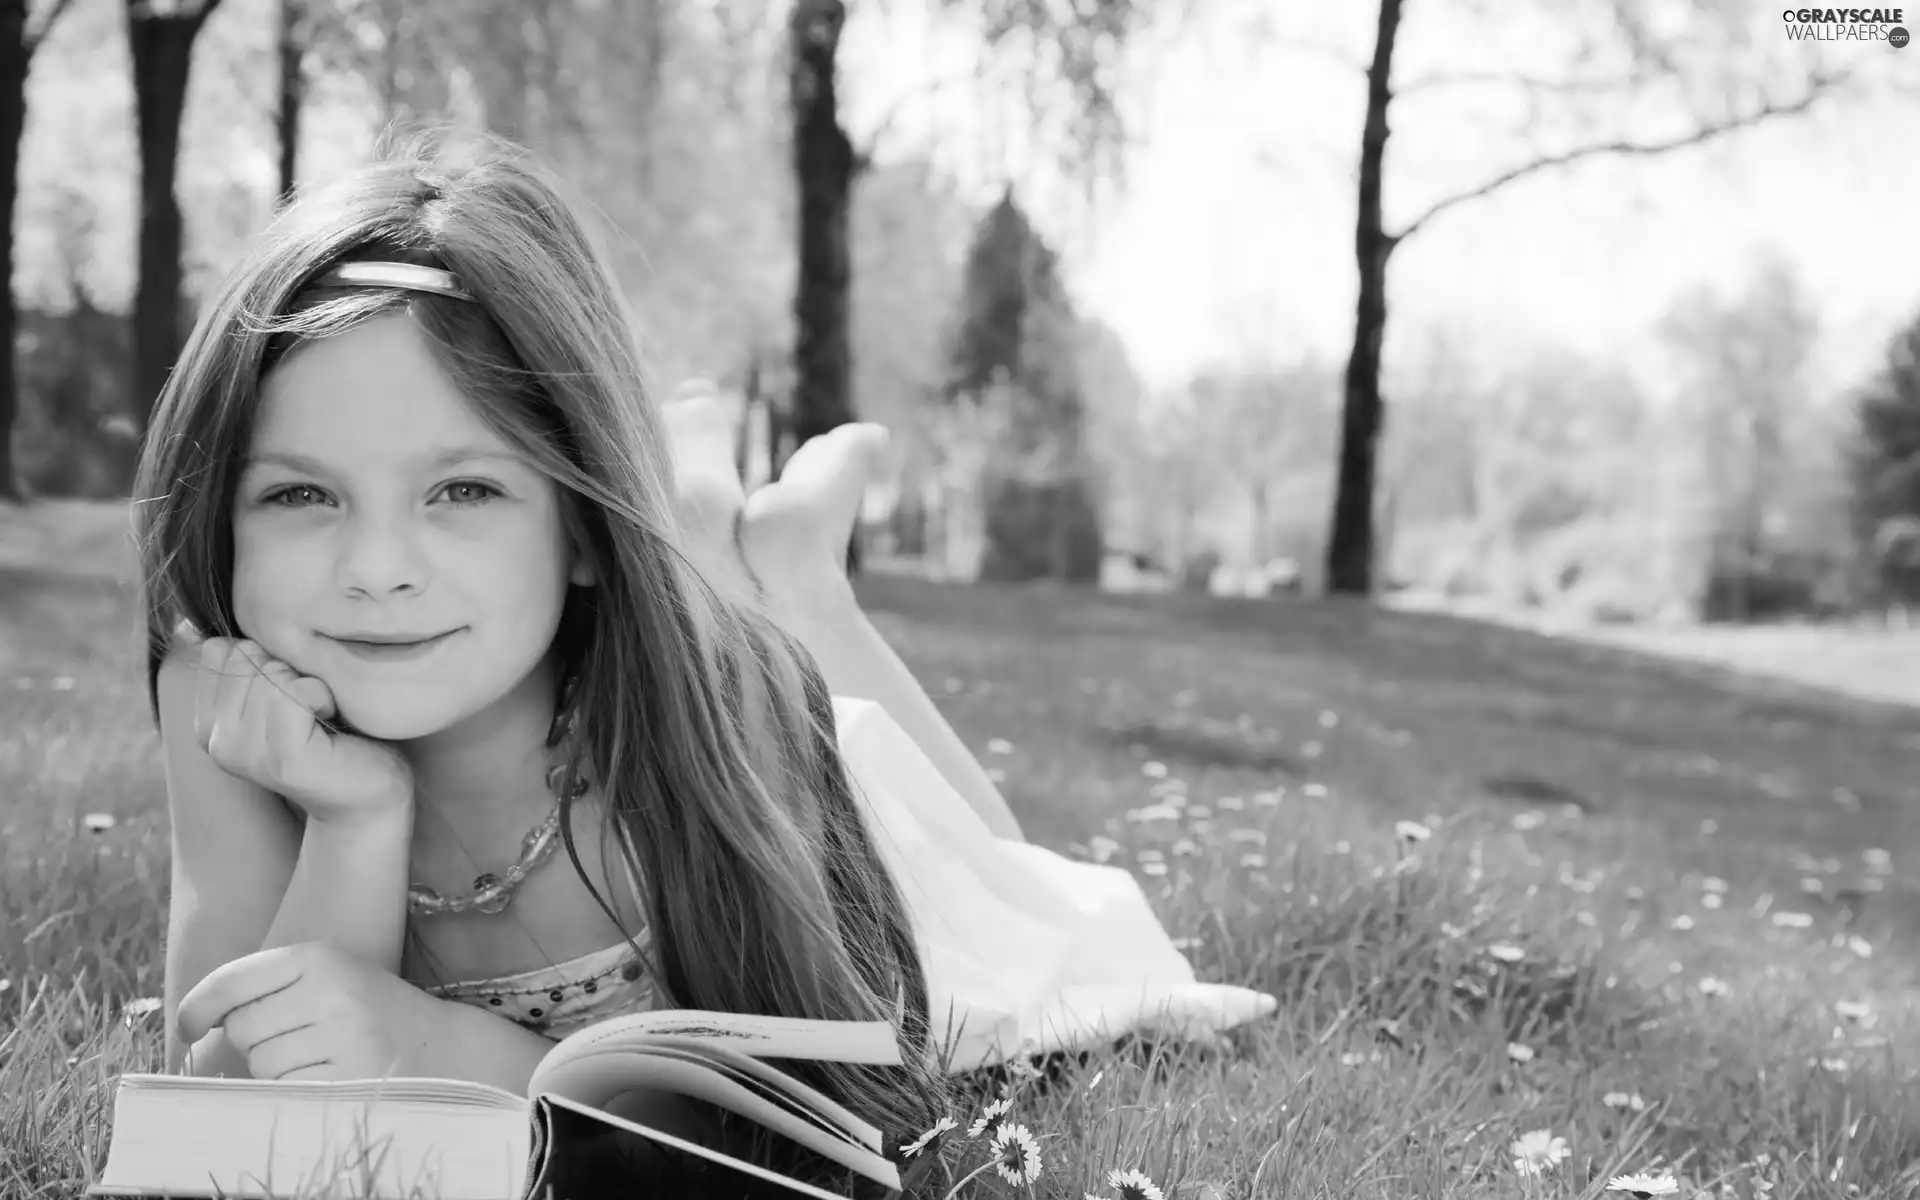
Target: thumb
(314, 695)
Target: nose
(379, 556)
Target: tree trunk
(162, 56)
(14, 52)
(823, 170)
(1350, 546)
(293, 86)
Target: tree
(292, 55)
(1072, 45)
(1884, 469)
(1018, 342)
(1655, 58)
(20, 36)
(1747, 405)
(160, 34)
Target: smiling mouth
(390, 647)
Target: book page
(452, 1092)
(598, 1082)
(266, 1141)
(870, 1042)
(706, 1153)
(799, 1096)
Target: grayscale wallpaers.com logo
(1847, 25)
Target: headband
(395, 275)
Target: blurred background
(1607, 310)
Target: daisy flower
(1411, 831)
(1538, 1151)
(1016, 1156)
(98, 822)
(1130, 1185)
(1643, 1185)
(1624, 1100)
(1711, 986)
(987, 1115)
(1506, 952)
(1520, 1052)
(920, 1143)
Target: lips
(369, 649)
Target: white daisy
(98, 822)
(987, 1116)
(920, 1143)
(1016, 1154)
(1538, 1151)
(1643, 1185)
(1133, 1185)
(1411, 831)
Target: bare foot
(793, 533)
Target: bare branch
(35, 36)
(1821, 86)
(1592, 86)
(1323, 51)
(864, 156)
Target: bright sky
(1213, 252)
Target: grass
(1667, 885)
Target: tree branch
(864, 155)
(1821, 86)
(1591, 86)
(35, 37)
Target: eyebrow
(444, 458)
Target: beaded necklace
(492, 893)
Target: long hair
(709, 729)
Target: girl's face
(389, 543)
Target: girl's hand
(793, 533)
(259, 719)
(310, 1011)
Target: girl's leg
(792, 535)
(857, 661)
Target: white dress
(1026, 952)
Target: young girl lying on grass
(434, 586)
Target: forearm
(481, 1047)
(856, 661)
(460, 1042)
(349, 889)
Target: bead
(492, 893)
(630, 972)
(555, 995)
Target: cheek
(268, 584)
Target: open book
(582, 1130)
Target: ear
(582, 573)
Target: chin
(392, 714)
(388, 722)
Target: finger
(304, 1053)
(230, 985)
(238, 701)
(258, 1023)
(206, 688)
(306, 691)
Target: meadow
(1541, 913)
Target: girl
(448, 609)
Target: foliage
(1884, 472)
(1018, 337)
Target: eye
(467, 492)
(298, 495)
